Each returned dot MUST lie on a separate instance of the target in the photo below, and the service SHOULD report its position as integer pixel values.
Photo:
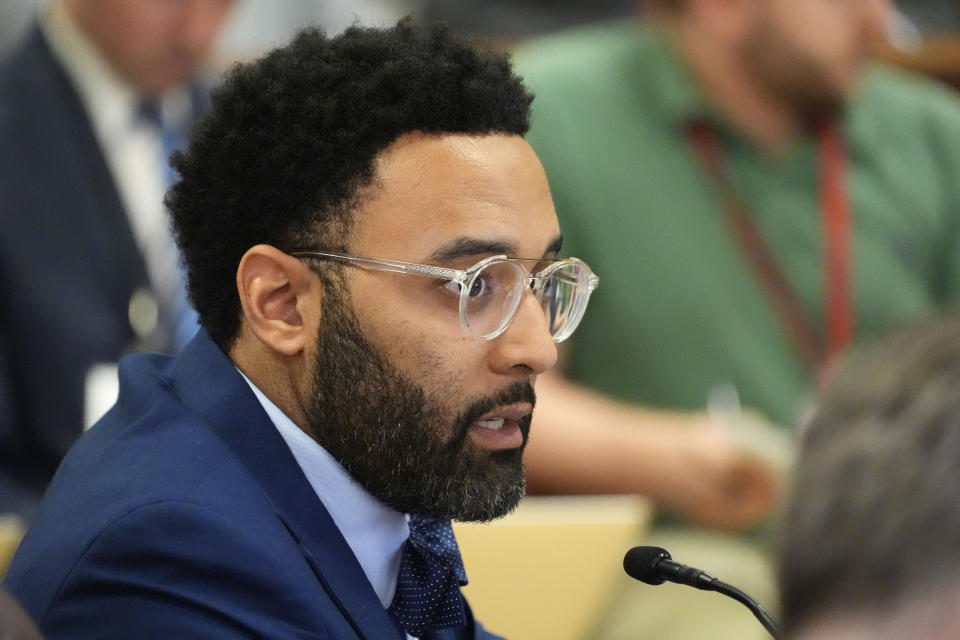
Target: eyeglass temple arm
(394, 266)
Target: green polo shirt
(679, 309)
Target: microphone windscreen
(640, 563)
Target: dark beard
(397, 443)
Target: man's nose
(526, 346)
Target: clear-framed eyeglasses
(491, 290)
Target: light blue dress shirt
(375, 532)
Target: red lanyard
(815, 347)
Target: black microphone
(653, 565)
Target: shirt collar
(375, 532)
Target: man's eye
(482, 286)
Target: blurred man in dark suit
(91, 104)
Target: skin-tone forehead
(431, 191)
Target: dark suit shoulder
(168, 531)
(183, 569)
(185, 509)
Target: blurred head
(402, 144)
(808, 54)
(929, 614)
(871, 532)
(153, 45)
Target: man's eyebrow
(466, 247)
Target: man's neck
(759, 114)
(274, 379)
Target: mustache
(517, 392)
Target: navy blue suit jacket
(183, 514)
(68, 268)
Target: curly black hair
(292, 137)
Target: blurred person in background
(92, 101)
(761, 198)
(870, 543)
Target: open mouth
(500, 428)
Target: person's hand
(710, 478)
(719, 468)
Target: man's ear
(280, 298)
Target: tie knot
(434, 536)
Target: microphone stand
(755, 607)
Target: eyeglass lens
(494, 293)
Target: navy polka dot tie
(431, 574)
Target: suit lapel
(207, 382)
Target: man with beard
(759, 198)
(372, 248)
